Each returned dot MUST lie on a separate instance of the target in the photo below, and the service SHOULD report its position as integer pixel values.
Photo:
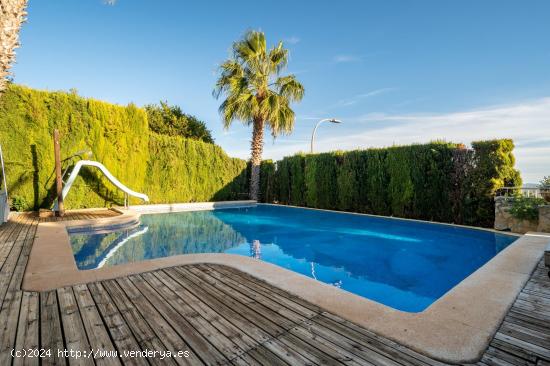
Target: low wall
(506, 222)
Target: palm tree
(257, 95)
(12, 15)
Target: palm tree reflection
(256, 249)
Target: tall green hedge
(184, 170)
(494, 168)
(167, 168)
(437, 181)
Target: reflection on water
(164, 236)
(119, 243)
(406, 265)
(256, 249)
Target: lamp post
(331, 120)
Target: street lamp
(331, 120)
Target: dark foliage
(171, 121)
(437, 181)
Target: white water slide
(107, 174)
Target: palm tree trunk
(257, 149)
(12, 15)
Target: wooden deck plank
(118, 329)
(289, 355)
(361, 347)
(528, 318)
(166, 334)
(8, 236)
(289, 310)
(145, 335)
(221, 340)
(262, 304)
(245, 277)
(9, 316)
(253, 324)
(51, 334)
(222, 273)
(76, 341)
(263, 356)
(293, 304)
(8, 269)
(369, 339)
(526, 334)
(7, 228)
(495, 356)
(513, 349)
(331, 347)
(11, 291)
(525, 345)
(237, 336)
(98, 337)
(273, 326)
(196, 341)
(28, 337)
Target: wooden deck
(78, 215)
(218, 315)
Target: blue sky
(396, 72)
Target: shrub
(184, 170)
(377, 180)
(297, 182)
(493, 168)
(526, 208)
(267, 177)
(171, 121)
(167, 168)
(320, 180)
(400, 186)
(438, 181)
(282, 180)
(347, 178)
(18, 203)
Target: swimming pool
(403, 264)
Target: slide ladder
(127, 191)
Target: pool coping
(456, 328)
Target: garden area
(172, 157)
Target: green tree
(257, 95)
(170, 120)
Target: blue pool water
(403, 264)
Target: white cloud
(346, 58)
(353, 100)
(528, 124)
(292, 40)
(376, 92)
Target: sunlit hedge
(167, 168)
(438, 181)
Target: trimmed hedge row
(438, 181)
(167, 168)
(185, 170)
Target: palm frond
(278, 58)
(290, 88)
(246, 81)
